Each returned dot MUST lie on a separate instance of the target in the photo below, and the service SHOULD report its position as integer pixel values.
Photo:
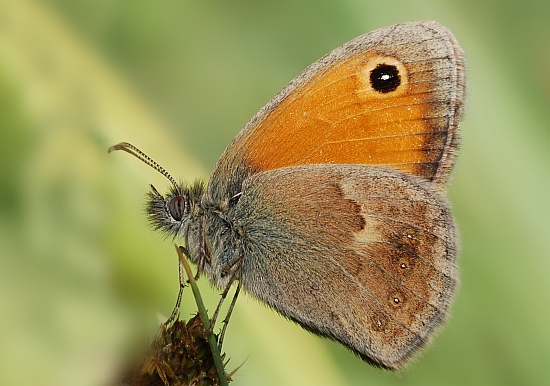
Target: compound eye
(177, 207)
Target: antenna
(131, 149)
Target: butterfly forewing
(373, 101)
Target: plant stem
(205, 320)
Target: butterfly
(329, 206)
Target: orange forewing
(334, 119)
(331, 114)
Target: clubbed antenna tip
(131, 149)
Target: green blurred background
(81, 274)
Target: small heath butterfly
(329, 205)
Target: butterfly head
(174, 212)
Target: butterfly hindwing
(363, 255)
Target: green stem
(205, 320)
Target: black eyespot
(385, 78)
(177, 207)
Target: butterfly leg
(175, 312)
(224, 295)
(229, 312)
(202, 250)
